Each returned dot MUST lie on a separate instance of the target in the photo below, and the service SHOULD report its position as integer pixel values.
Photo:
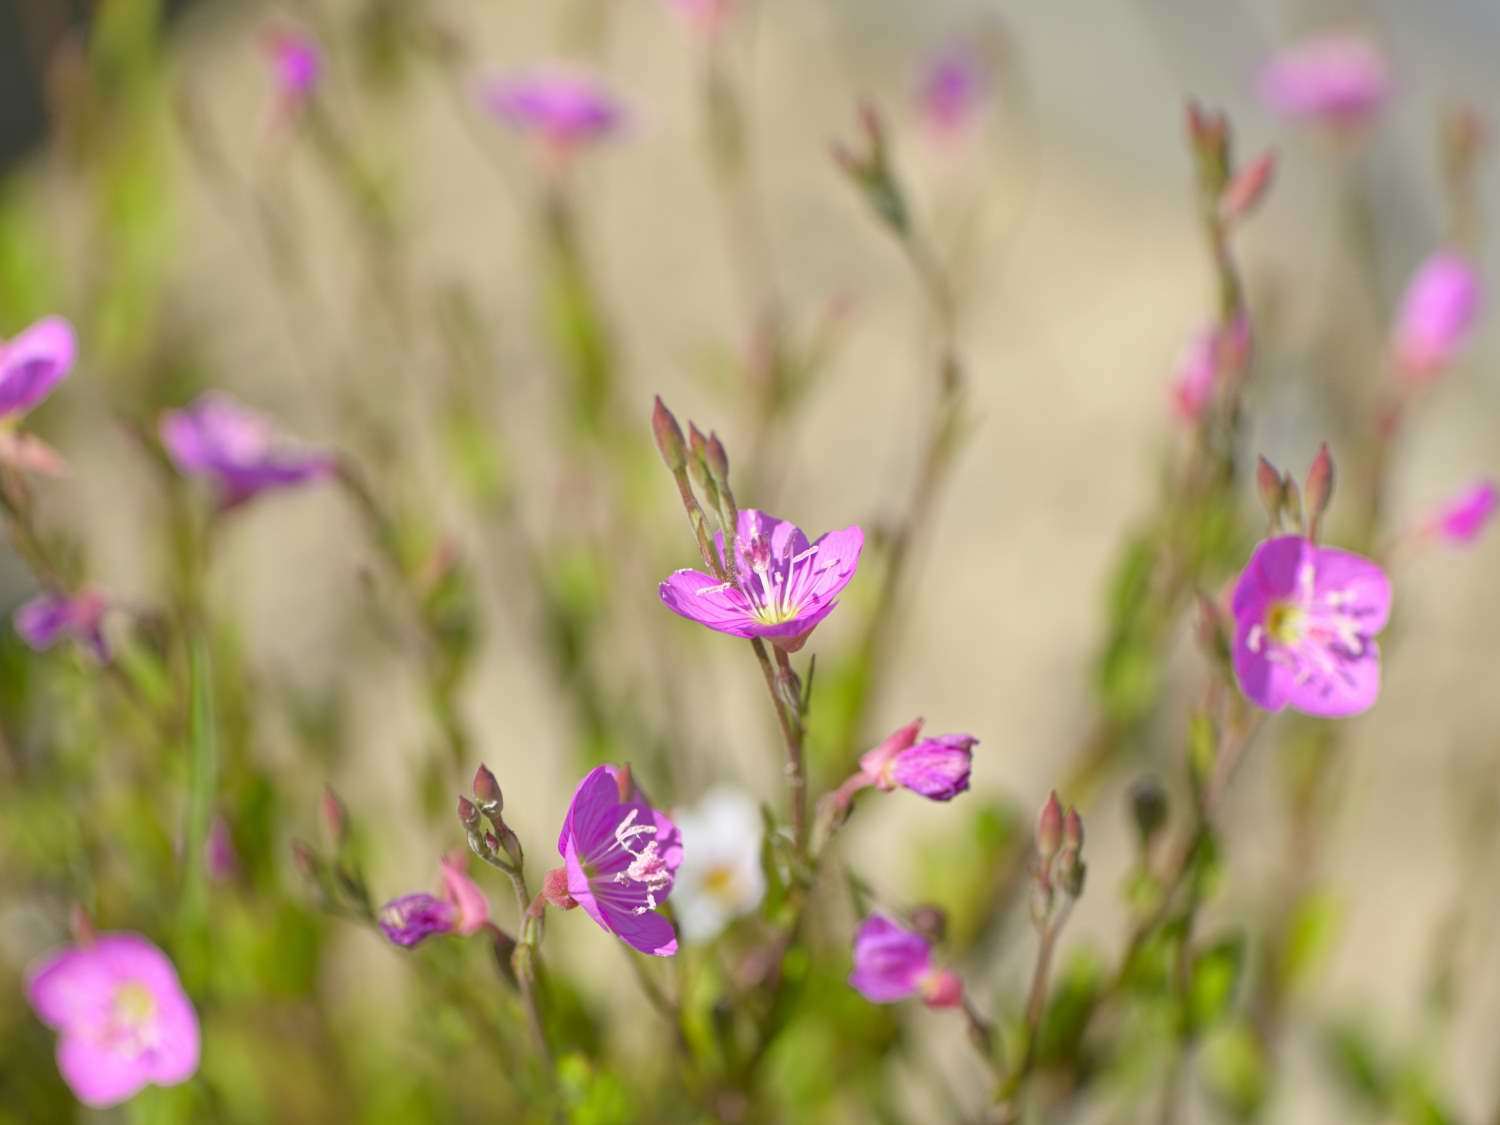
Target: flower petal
(35, 362)
(703, 598)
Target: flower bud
(931, 922)
(335, 817)
(305, 859)
(512, 845)
(1247, 188)
(468, 815)
(1070, 867)
(668, 437)
(1049, 828)
(1268, 481)
(1318, 489)
(942, 988)
(487, 792)
(718, 460)
(1148, 808)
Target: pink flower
(1437, 316)
(122, 1017)
(1305, 622)
(893, 964)
(1213, 353)
(565, 110)
(935, 768)
(1339, 78)
(296, 62)
(34, 362)
(785, 586)
(410, 920)
(1462, 519)
(50, 617)
(950, 92)
(622, 857)
(471, 909)
(235, 447)
(462, 908)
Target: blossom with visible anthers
(781, 586)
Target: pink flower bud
(1437, 317)
(1049, 828)
(1463, 518)
(942, 988)
(1318, 488)
(1248, 187)
(487, 792)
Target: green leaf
(1214, 979)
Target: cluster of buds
(699, 460)
(869, 169)
(1233, 193)
(1286, 507)
(497, 845)
(1059, 859)
(335, 875)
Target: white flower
(720, 877)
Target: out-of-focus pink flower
(622, 857)
(1463, 518)
(1437, 316)
(34, 362)
(893, 964)
(1210, 355)
(471, 909)
(1306, 618)
(50, 617)
(565, 110)
(296, 62)
(122, 1018)
(218, 438)
(706, 17)
(1339, 78)
(461, 909)
(785, 587)
(950, 92)
(411, 919)
(935, 768)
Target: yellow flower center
(1285, 623)
(722, 882)
(133, 1004)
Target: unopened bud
(942, 988)
(304, 859)
(668, 437)
(698, 467)
(335, 816)
(718, 460)
(512, 845)
(1247, 188)
(1318, 489)
(1049, 828)
(1268, 481)
(1041, 902)
(1148, 808)
(931, 922)
(487, 792)
(1070, 867)
(468, 815)
(1073, 831)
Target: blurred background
(384, 272)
